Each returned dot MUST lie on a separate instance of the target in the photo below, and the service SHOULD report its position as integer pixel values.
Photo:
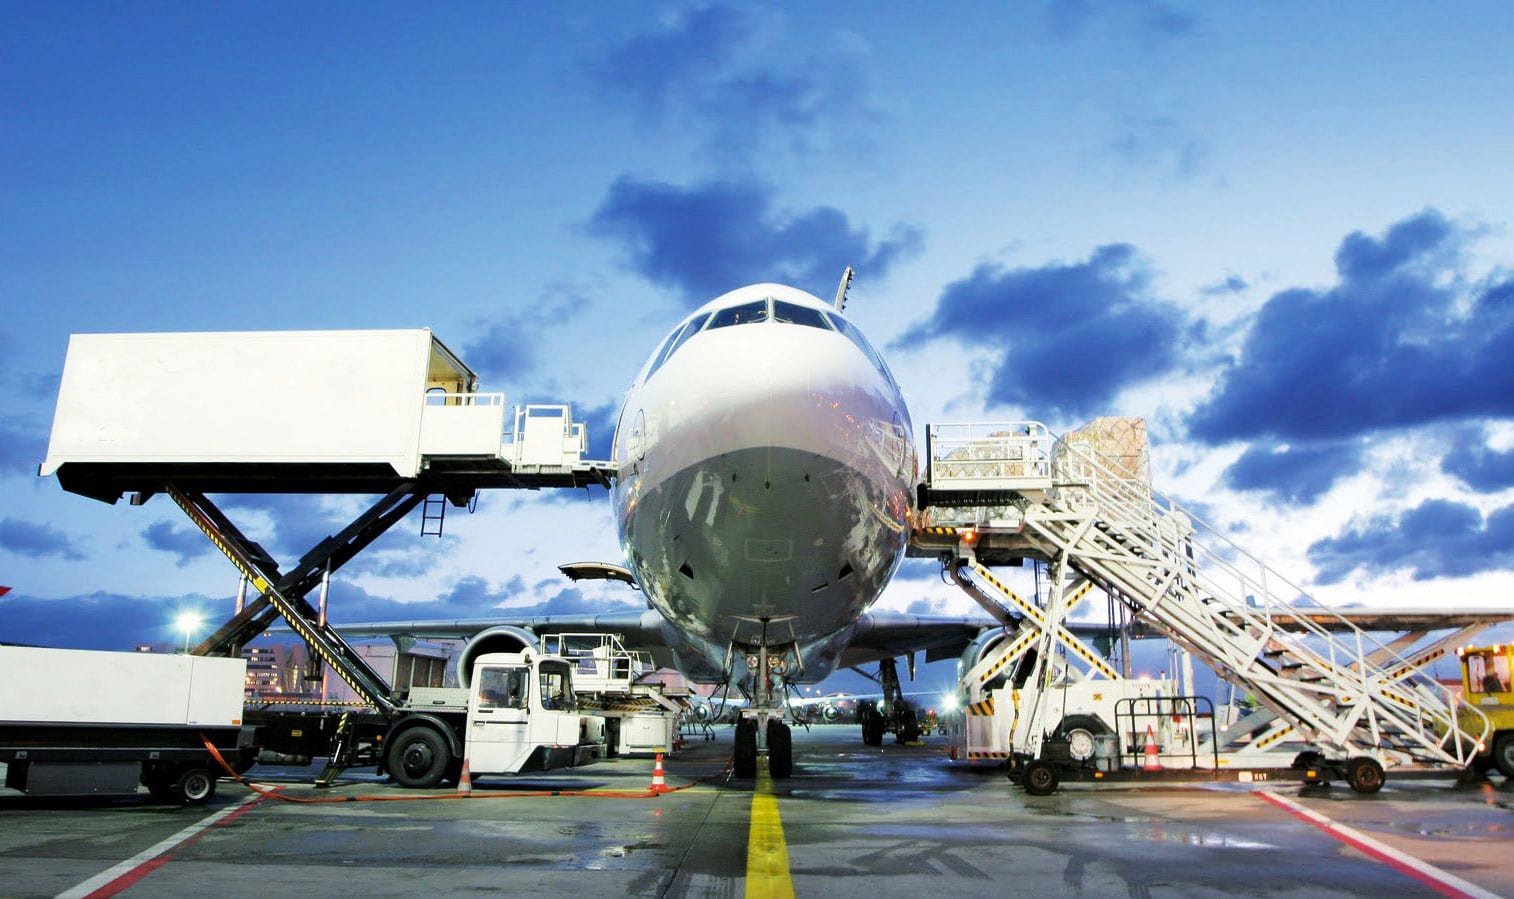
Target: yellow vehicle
(1487, 677)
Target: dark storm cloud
(185, 543)
(1438, 538)
(36, 540)
(719, 235)
(1073, 334)
(1483, 469)
(1400, 340)
(729, 72)
(1294, 474)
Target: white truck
(518, 715)
(76, 722)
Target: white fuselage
(766, 469)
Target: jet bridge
(1000, 493)
(389, 413)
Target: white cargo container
(76, 722)
(278, 398)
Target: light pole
(188, 622)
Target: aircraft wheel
(419, 758)
(194, 786)
(745, 765)
(780, 750)
(1041, 778)
(1364, 775)
(909, 727)
(1503, 754)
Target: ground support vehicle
(1487, 674)
(641, 717)
(518, 715)
(1001, 493)
(84, 723)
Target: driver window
(502, 688)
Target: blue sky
(1280, 232)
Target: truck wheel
(1041, 778)
(419, 758)
(194, 786)
(780, 750)
(1364, 775)
(1503, 754)
(745, 765)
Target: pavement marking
(120, 877)
(767, 855)
(1441, 881)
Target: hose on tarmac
(276, 793)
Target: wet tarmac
(853, 821)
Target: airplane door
(498, 718)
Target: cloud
(1160, 143)
(731, 73)
(1438, 538)
(101, 620)
(188, 545)
(22, 449)
(1232, 284)
(1483, 469)
(1073, 335)
(506, 350)
(1152, 19)
(1295, 474)
(1401, 340)
(719, 235)
(36, 541)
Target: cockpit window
(745, 314)
(855, 336)
(795, 314)
(680, 337)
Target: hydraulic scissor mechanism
(766, 665)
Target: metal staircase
(1012, 491)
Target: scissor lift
(389, 413)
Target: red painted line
(161, 854)
(1424, 872)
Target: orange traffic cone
(1153, 760)
(465, 781)
(659, 785)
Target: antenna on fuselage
(846, 282)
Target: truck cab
(1487, 677)
(523, 716)
(518, 715)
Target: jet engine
(505, 638)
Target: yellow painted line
(767, 855)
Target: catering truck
(80, 723)
(83, 723)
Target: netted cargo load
(1117, 444)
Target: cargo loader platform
(298, 412)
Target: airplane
(766, 472)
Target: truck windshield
(502, 688)
(557, 687)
